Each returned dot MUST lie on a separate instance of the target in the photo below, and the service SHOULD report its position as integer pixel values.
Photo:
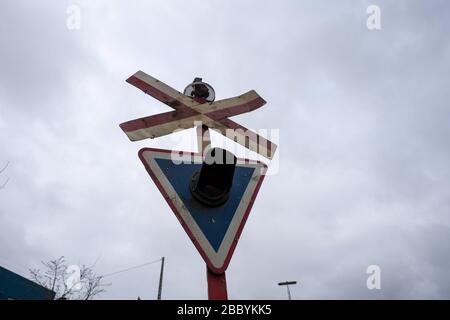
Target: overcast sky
(363, 164)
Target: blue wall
(13, 286)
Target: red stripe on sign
(157, 119)
(184, 111)
(244, 218)
(270, 146)
(155, 93)
(238, 109)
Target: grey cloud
(363, 153)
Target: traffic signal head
(212, 183)
(200, 89)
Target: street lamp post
(287, 284)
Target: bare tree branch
(7, 180)
(4, 184)
(4, 168)
(54, 277)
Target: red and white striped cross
(190, 111)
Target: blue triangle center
(213, 222)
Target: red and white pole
(217, 283)
(217, 286)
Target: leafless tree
(2, 185)
(56, 277)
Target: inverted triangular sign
(214, 231)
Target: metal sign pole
(217, 283)
(217, 286)
(203, 139)
(289, 292)
(160, 279)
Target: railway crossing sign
(214, 231)
(189, 110)
(211, 199)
